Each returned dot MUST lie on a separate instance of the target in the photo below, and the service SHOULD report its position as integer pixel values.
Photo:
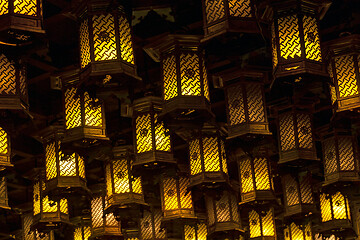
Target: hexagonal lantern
(343, 57)
(82, 227)
(150, 225)
(13, 84)
(106, 48)
(20, 20)
(5, 150)
(335, 212)
(295, 37)
(223, 213)
(262, 224)
(196, 231)
(207, 155)
(28, 234)
(221, 16)
(84, 115)
(294, 231)
(4, 201)
(340, 153)
(185, 81)
(152, 140)
(298, 194)
(295, 131)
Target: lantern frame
(28, 234)
(82, 227)
(304, 230)
(199, 230)
(261, 220)
(152, 219)
(5, 145)
(4, 200)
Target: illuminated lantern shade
(152, 139)
(262, 225)
(335, 212)
(298, 232)
(343, 57)
(150, 225)
(195, 232)
(207, 157)
(295, 37)
(295, 131)
(13, 83)
(185, 81)
(5, 150)
(29, 234)
(255, 177)
(82, 228)
(298, 195)
(340, 154)
(84, 115)
(222, 16)
(19, 20)
(223, 213)
(106, 48)
(4, 201)
(103, 227)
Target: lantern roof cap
(344, 44)
(50, 132)
(318, 7)
(148, 103)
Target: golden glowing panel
(143, 133)
(49, 206)
(108, 177)
(289, 38)
(312, 40)
(306, 190)
(195, 157)
(170, 78)
(121, 176)
(93, 114)
(223, 209)
(215, 10)
(4, 146)
(82, 233)
(146, 226)
(26, 7)
(346, 77)
(262, 174)
(190, 74)
(339, 206)
(201, 231)
(50, 158)
(333, 94)
(211, 154)
(240, 8)
(268, 227)
(170, 194)
(254, 223)
(7, 76)
(68, 166)
(72, 109)
(292, 192)
(78, 233)
(274, 47)
(247, 184)
(325, 206)
(255, 103)
(4, 7)
(346, 154)
(185, 195)
(304, 131)
(189, 232)
(136, 185)
(287, 132)
(223, 156)
(104, 37)
(308, 232)
(84, 44)
(64, 206)
(36, 198)
(126, 48)
(330, 156)
(97, 212)
(81, 166)
(235, 103)
(348, 208)
(162, 137)
(206, 82)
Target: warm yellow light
(295, 232)
(98, 220)
(256, 177)
(82, 233)
(334, 207)
(261, 224)
(176, 195)
(4, 7)
(4, 145)
(7, 76)
(196, 232)
(25, 7)
(72, 109)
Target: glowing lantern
(84, 115)
(29, 234)
(221, 16)
(223, 213)
(4, 201)
(295, 131)
(295, 37)
(340, 153)
(103, 226)
(106, 47)
(82, 228)
(185, 81)
(13, 83)
(298, 232)
(5, 150)
(152, 139)
(150, 225)
(207, 157)
(262, 224)
(195, 232)
(343, 57)
(298, 195)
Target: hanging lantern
(343, 57)
(82, 228)
(13, 83)
(84, 115)
(207, 157)
(28, 234)
(262, 224)
(65, 175)
(223, 213)
(5, 150)
(295, 37)
(298, 196)
(255, 177)
(221, 16)
(4, 201)
(196, 231)
(295, 131)
(185, 81)
(103, 226)
(106, 47)
(298, 232)
(20, 20)
(152, 139)
(340, 153)
(150, 225)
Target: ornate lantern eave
(4, 200)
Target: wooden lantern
(221, 16)
(298, 194)
(343, 57)
(5, 150)
(295, 37)
(185, 80)
(82, 227)
(223, 213)
(295, 131)
(4, 201)
(207, 155)
(20, 20)
(13, 83)
(152, 140)
(29, 234)
(294, 231)
(106, 48)
(103, 226)
(340, 154)
(150, 225)
(84, 115)
(262, 224)
(196, 231)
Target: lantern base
(225, 226)
(4, 204)
(84, 136)
(13, 103)
(5, 162)
(299, 210)
(66, 187)
(153, 159)
(248, 129)
(300, 66)
(349, 103)
(338, 227)
(123, 199)
(297, 158)
(264, 238)
(209, 180)
(50, 221)
(179, 215)
(341, 177)
(106, 233)
(258, 195)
